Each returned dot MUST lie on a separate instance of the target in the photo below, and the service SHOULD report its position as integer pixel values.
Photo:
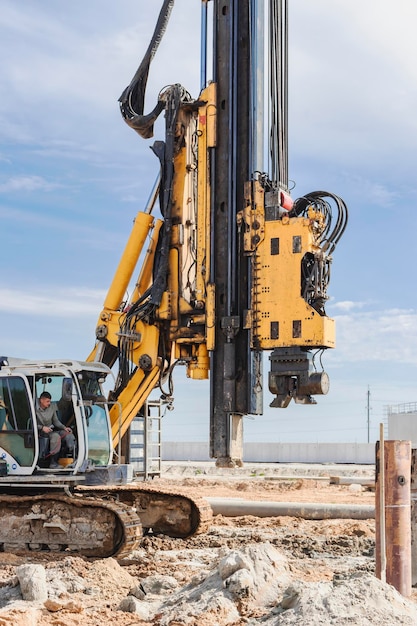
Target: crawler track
(89, 526)
(99, 521)
(165, 511)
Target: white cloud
(77, 71)
(382, 196)
(376, 336)
(55, 302)
(378, 194)
(27, 183)
(76, 230)
(347, 305)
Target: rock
(258, 572)
(138, 592)
(355, 488)
(208, 606)
(231, 563)
(74, 607)
(63, 581)
(158, 584)
(290, 598)
(53, 606)
(133, 605)
(32, 580)
(109, 572)
(240, 584)
(256, 576)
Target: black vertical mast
(232, 362)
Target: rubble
(278, 571)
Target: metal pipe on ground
(352, 480)
(232, 507)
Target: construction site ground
(244, 570)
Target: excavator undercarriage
(98, 521)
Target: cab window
(15, 414)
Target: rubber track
(202, 513)
(130, 523)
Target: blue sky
(73, 176)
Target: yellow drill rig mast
(234, 266)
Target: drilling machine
(233, 267)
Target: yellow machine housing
(280, 316)
(290, 272)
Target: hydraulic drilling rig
(238, 267)
(234, 267)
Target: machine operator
(52, 429)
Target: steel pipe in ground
(233, 507)
(393, 522)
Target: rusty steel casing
(393, 515)
(414, 517)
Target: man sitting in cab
(52, 429)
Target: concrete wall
(361, 453)
(403, 426)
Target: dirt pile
(254, 585)
(246, 570)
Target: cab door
(19, 446)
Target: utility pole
(368, 410)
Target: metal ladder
(145, 440)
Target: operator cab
(76, 394)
